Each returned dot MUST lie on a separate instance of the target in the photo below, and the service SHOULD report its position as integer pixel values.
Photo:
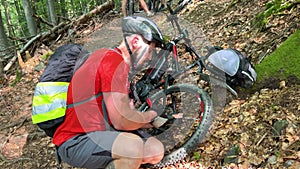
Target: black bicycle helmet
(144, 27)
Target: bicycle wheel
(149, 4)
(155, 5)
(190, 113)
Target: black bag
(60, 68)
(239, 70)
(61, 65)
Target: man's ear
(135, 42)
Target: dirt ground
(259, 129)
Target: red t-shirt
(104, 71)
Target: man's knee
(153, 151)
(128, 145)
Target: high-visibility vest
(49, 101)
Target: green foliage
(64, 10)
(275, 7)
(283, 62)
(118, 4)
(18, 77)
(47, 55)
(196, 155)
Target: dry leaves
(12, 146)
(247, 124)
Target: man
(143, 5)
(96, 132)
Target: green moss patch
(282, 63)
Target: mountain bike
(155, 5)
(132, 7)
(160, 5)
(187, 108)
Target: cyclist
(143, 5)
(99, 133)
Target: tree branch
(18, 124)
(42, 20)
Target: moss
(282, 63)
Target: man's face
(143, 53)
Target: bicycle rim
(181, 135)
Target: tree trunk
(8, 19)
(79, 8)
(84, 7)
(3, 38)
(52, 12)
(20, 31)
(31, 23)
(73, 8)
(3, 44)
(1, 68)
(63, 10)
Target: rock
(233, 154)
(272, 160)
(282, 84)
(289, 163)
(279, 126)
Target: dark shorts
(91, 150)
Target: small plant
(275, 7)
(196, 155)
(18, 77)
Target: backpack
(50, 95)
(238, 69)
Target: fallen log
(40, 37)
(44, 36)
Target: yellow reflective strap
(53, 114)
(53, 84)
(48, 99)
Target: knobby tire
(203, 118)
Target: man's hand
(122, 113)
(152, 114)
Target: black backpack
(55, 79)
(238, 69)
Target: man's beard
(137, 56)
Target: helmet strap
(130, 52)
(132, 70)
(127, 45)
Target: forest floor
(259, 129)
